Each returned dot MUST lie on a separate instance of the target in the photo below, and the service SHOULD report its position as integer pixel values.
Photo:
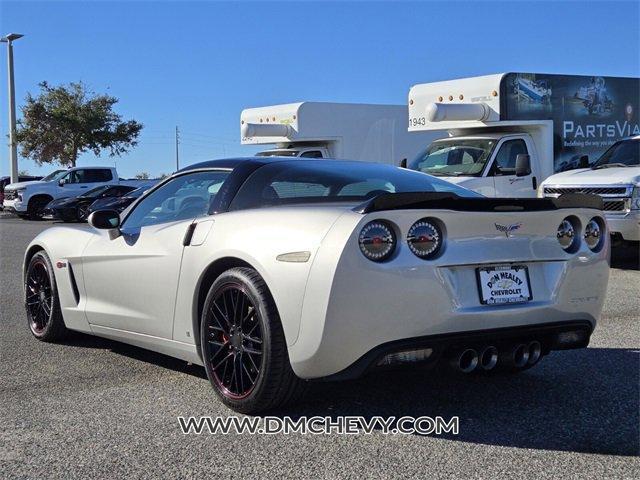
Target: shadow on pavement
(564, 403)
(626, 256)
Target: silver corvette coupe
(271, 272)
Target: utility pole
(13, 147)
(177, 154)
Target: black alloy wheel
(243, 345)
(83, 212)
(41, 300)
(236, 341)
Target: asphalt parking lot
(96, 408)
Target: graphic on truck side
(589, 113)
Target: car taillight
(567, 234)
(594, 234)
(377, 240)
(424, 239)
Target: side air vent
(74, 285)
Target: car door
(131, 281)
(79, 181)
(503, 170)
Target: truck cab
(485, 162)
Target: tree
(65, 121)
(142, 176)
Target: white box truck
(350, 131)
(509, 132)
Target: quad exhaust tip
(467, 360)
(517, 356)
(520, 355)
(488, 358)
(535, 352)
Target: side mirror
(584, 161)
(523, 165)
(104, 219)
(403, 163)
(61, 182)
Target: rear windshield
(305, 181)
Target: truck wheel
(41, 300)
(36, 207)
(243, 345)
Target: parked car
(273, 271)
(28, 199)
(4, 181)
(76, 209)
(119, 203)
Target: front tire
(243, 346)
(41, 300)
(35, 208)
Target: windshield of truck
(625, 153)
(55, 175)
(455, 157)
(278, 153)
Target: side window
(505, 162)
(77, 176)
(96, 175)
(311, 154)
(184, 197)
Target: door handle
(534, 183)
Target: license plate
(504, 284)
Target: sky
(197, 65)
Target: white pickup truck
(28, 199)
(615, 176)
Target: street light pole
(177, 143)
(13, 147)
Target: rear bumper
(626, 225)
(369, 309)
(552, 336)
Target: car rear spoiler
(451, 201)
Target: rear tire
(243, 345)
(42, 304)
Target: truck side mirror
(584, 161)
(523, 165)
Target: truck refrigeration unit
(509, 132)
(350, 131)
